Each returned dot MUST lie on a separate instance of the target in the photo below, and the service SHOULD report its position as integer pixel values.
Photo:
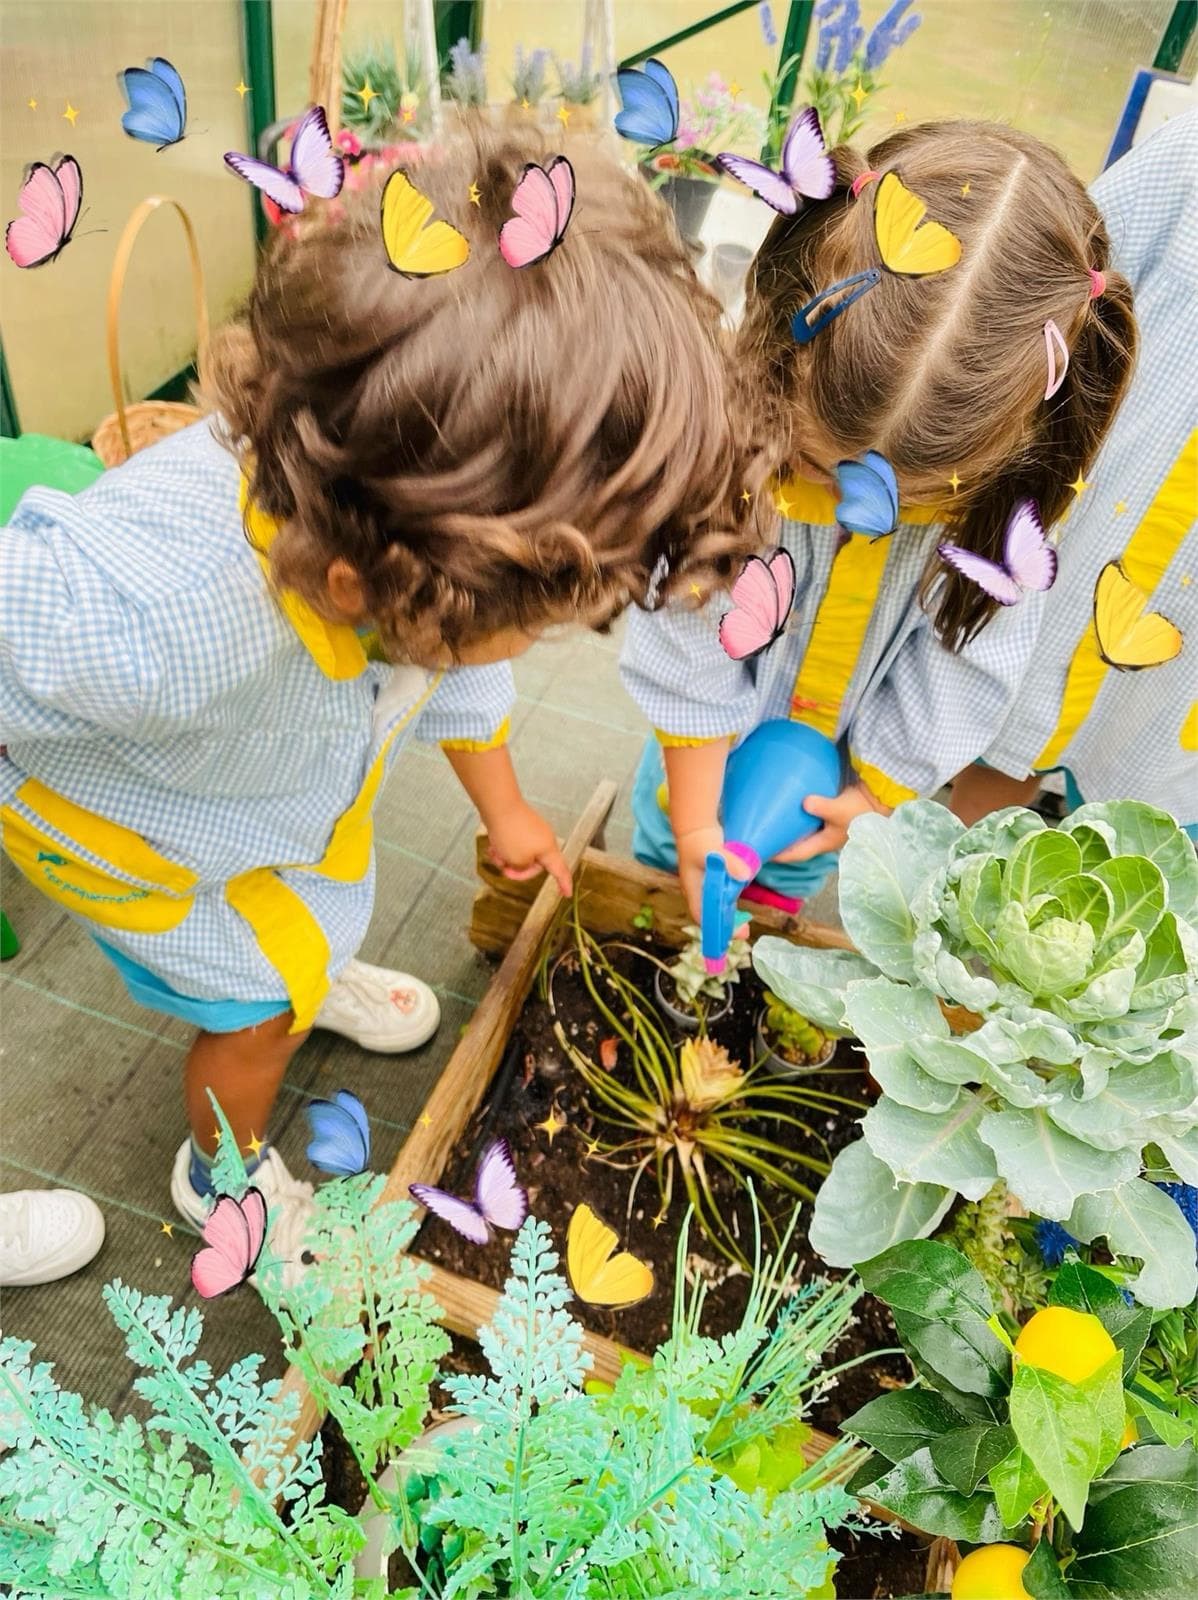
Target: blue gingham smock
(859, 659)
(1132, 735)
(148, 675)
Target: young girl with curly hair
(210, 659)
(910, 665)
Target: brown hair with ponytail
(946, 374)
(489, 449)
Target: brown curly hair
(489, 449)
(946, 374)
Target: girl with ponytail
(910, 663)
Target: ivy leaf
(914, 1490)
(1141, 1530)
(965, 1456)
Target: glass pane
(1059, 69)
(54, 315)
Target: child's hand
(693, 849)
(523, 844)
(836, 815)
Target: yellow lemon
(992, 1573)
(1073, 1344)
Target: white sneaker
(288, 1199)
(46, 1234)
(380, 1010)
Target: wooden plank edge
(467, 1074)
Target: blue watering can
(765, 783)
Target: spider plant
(691, 1111)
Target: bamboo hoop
(131, 428)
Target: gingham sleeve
(70, 664)
(470, 709)
(675, 669)
(932, 712)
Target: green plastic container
(36, 459)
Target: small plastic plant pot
(684, 1017)
(777, 1063)
(373, 1558)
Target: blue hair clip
(860, 283)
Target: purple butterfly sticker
(808, 171)
(499, 1201)
(313, 168)
(1029, 560)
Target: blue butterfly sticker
(340, 1141)
(157, 111)
(869, 498)
(650, 104)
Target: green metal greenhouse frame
(457, 19)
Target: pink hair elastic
(861, 180)
(1097, 282)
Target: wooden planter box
(519, 920)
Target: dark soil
(537, 1078)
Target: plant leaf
(1135, 1092)
(813, 982)
(1137, 829)
(860, 1210)
(941, 1148)
(1136, 1219)
(1039, 862)
(965, 1456)
(1042, 1577)
(881, 867)
(942, 1308)
(1059, 1432)
(914, 1490)
(1017, 1486)
(887, 1017)
(903, 1421)
(1047, 1168)
(1141, 1530)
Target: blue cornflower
(768, 32)
(1053, 1242)
(890, 32)
(1186, 1196)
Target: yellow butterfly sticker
(1130, 637)
(596, 1275)
(417, 248)
(909, 246)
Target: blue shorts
(213, 1016)
(653, 838)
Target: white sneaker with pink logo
(379, 1009)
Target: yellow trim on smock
(288, 935)
(1145, 560)
(838, 632)
(479, 747)
(799, 500)
(334, 646)
(886, 789)
(678, 741)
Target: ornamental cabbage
(1028, 1000)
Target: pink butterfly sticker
(1029, 561)
(313, 168)
(49, 200)
(543, 204)
(808, 171)
(233, 1237)
(499, 1201)
(761, 600)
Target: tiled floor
(89, 1083)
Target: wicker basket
(132, 428)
